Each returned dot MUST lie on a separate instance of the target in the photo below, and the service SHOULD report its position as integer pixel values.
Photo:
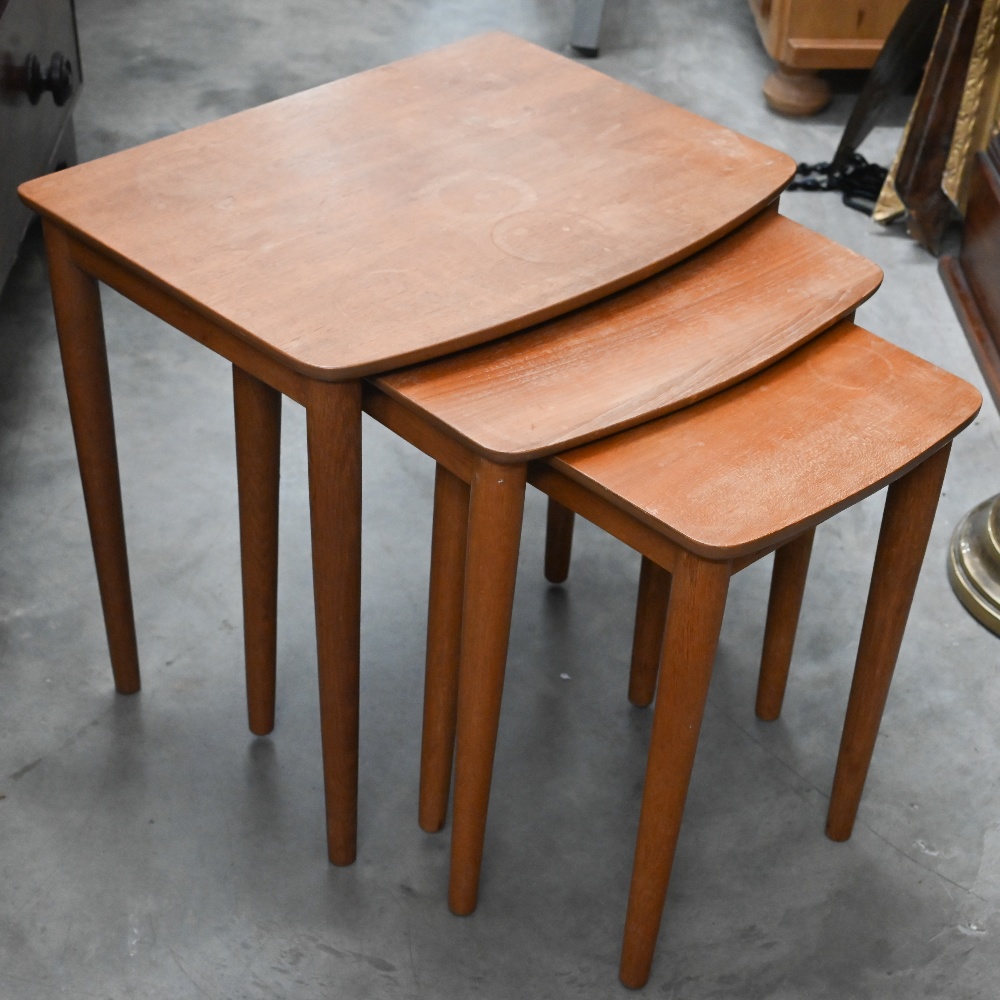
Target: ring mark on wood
(545, 237)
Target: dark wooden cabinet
(40, 81)
(973, 276)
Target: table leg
(788, 583)
(647, 639)
(586, 35)
(495, 510)
(333, 427)
(558, 541)
(258, 457)
(697, 602)
(80, 325)
(444, 629)
(906, 526)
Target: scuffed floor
(150, 847)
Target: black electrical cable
(858, 180)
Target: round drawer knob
(58, 79)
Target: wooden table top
(809, 436)
(677, 337)
(417, 208)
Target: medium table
(387, 218)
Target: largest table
(387, 218)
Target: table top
(757, 464)
(677, 337)
(414, 209)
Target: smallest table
(702, 493)
(708, 490)
(485, 414)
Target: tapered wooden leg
(444, 629)
(788, 583)
(906, 525)
(80, 325)
(258, 460)
(495, 509)
(697, 602)
(647, 643)
(558, 541)
(333, 426)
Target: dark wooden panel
(973, 277)
(932, 125)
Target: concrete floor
(150, 847)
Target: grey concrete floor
(150, 847)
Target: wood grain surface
(422, 206)
(805, 438)
(676, 338)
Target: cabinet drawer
(819, 34)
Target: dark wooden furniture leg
(444, 629)
(924, 156)
(906, 525)
(80, 325)
(692, 634)
(788, 582)
(586, 35)
(558, 541)
(258, 457)
(333, 428)
(647, 643)
(495, 511)
(900, 62)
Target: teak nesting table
(702, 493)
(486, 413)
(384, 219)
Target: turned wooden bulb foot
(796, 92)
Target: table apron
(194, 324)
(455, 456)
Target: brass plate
(974, 563)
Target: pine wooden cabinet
(804, 36)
